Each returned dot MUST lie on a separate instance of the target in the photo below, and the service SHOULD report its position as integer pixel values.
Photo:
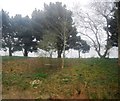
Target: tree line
(53, 29)
(49, 29)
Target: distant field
(43, 78)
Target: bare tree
(94, 25)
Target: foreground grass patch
(40, 75)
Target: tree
(55, 18)
(92, 26)
(8, 34)
(48, 43)
(39, 29)
(26, 40)
(81, 46)
(118, 26)
(60, 21)
(113, 30)
(38, 24)
(114, 27)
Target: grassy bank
(43, 78)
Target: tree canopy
(81, 46)
(50, 29)
(112, 27)
(59, 22)
(24, 33)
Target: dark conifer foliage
(24, 33)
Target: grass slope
(42, 78)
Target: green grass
(96, 78)
(40, 75)
(15, 79)
(8, 58)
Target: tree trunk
(100, 55)
(51, 54)
(10, 51)
(10, 46)
(59, 53)
(108, 55)
(79, 53)
(25, 52)
(105, 54)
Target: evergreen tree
(8, 34)
(81, 46)
(26, 40)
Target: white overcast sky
(25, 7)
